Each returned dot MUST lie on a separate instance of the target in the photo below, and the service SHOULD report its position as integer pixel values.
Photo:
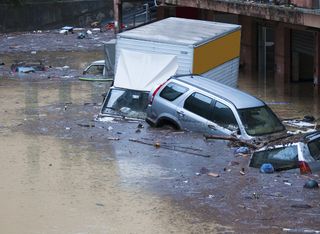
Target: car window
(199, 104)
(95, 70)
(281, 158)
(260, 121)
(314, 148)
(223, 116)
(172, 91)
(126, 103)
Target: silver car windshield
(259, 121)
(126, 103)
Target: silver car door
(222, 121)
(195, 111)
(215, 129)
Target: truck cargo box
(208, 48)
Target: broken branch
(230, 138)
(168, 147)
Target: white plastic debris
(68, 28)
(106, 119)
(299, 124)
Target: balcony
(297, 12)
(309, 4)
(304, 4)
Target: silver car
(200, 104)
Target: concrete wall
(53, 14)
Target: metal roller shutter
(303, 42)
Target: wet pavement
(64, 172)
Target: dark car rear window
(282, 158)
(172, 91)
(314, 147)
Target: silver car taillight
(155, 92)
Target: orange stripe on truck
(205, 56)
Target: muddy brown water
(59, 177)
(51, 186)
(287, 99)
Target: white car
(96, 71)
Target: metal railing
(142, 15)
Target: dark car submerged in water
(297, 151)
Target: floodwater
(52, 184)
(73, 59)
(288, 100)
(59, 177)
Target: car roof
(240, 100)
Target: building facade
(278, 37)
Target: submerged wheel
(168, 123)
(150, 123)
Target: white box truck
(208, 48)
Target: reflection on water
(31, 100)
(65, 92)
(288, 100)
(73, 59)
(33, 158)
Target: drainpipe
(117, 4)
(316, 76)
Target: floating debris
(266, 168)
(311, 184)
(213, 174)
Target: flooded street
(57, 184)
(49, 186)
(288, 100)
(63, 172)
